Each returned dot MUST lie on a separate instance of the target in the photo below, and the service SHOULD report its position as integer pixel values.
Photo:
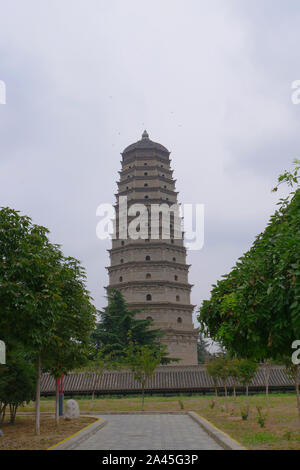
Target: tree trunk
(13, 412)
(225, 393)
(37, 396)
(234, 397)
(216, 390)
(297, 390)
(267, 371)
(57, 402)
(143, 395)
(92, 399)
(247, 398)
(2, 412)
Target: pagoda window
(122, 243)
(148, 276)
(146, 184)
(176, 278)
(146, 197)
(121, 279)
(149, 318)
(174, 259)
(179, 320)
(146, 173)
(121, 260)
(148, 258)
(177, 298)
(148, 297)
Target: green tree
(246, 370)
(111, 334)
(233, 365)
(29, 289)
(266, 367)
(293, 372)
(95, 367)
(202, 349)
(34, 293)
(219, 368)
(17, 381)
(213, 369)
(71, 344)
(255, 309)
(142, 361)
(224, 374)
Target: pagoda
(151, 271)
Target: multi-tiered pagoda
(152, 273)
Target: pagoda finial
(145, 135)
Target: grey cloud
(210, 81)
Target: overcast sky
(210, 80)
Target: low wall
(166, 379)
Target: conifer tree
(116, 322)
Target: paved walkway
(149, 432)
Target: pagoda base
(182, 345)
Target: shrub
(181, 405)
(245, 413)
(261, 416)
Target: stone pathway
(149, 432)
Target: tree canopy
(202, 349)
(254, 311)
(44, 305)
(17, 380)
(117, 321)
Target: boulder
(72, 410)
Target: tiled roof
(175, 378)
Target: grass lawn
(281, 430)
(21, 435)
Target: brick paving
(149, 432)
